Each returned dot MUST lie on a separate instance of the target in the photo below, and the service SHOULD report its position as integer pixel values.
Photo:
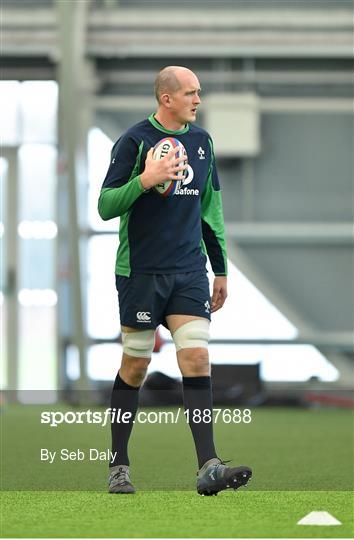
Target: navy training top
(165, 235)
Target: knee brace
(139, 344)
(192, 334)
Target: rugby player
(161, 267)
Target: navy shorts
(146, 299)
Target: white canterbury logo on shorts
(143, 316)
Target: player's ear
(165, 100)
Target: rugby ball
(161, 149)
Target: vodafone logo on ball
(143, 316)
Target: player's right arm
(123, 183)
(121, 186)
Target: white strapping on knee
(192, 334)
(139, 344)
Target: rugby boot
(119, 480)
(215, 476)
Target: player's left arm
(213, 230)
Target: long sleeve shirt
(165, 235)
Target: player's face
(185, 102)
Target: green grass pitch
(302, 461)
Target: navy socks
(198, 401)
(124, 397)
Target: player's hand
(219, 293)
(158, 171)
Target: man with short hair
(160, 267)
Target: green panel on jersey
(123, 252)
(212, 214)
(203, 247)
(114, 202)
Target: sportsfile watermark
(117, 416)
(57, 443)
